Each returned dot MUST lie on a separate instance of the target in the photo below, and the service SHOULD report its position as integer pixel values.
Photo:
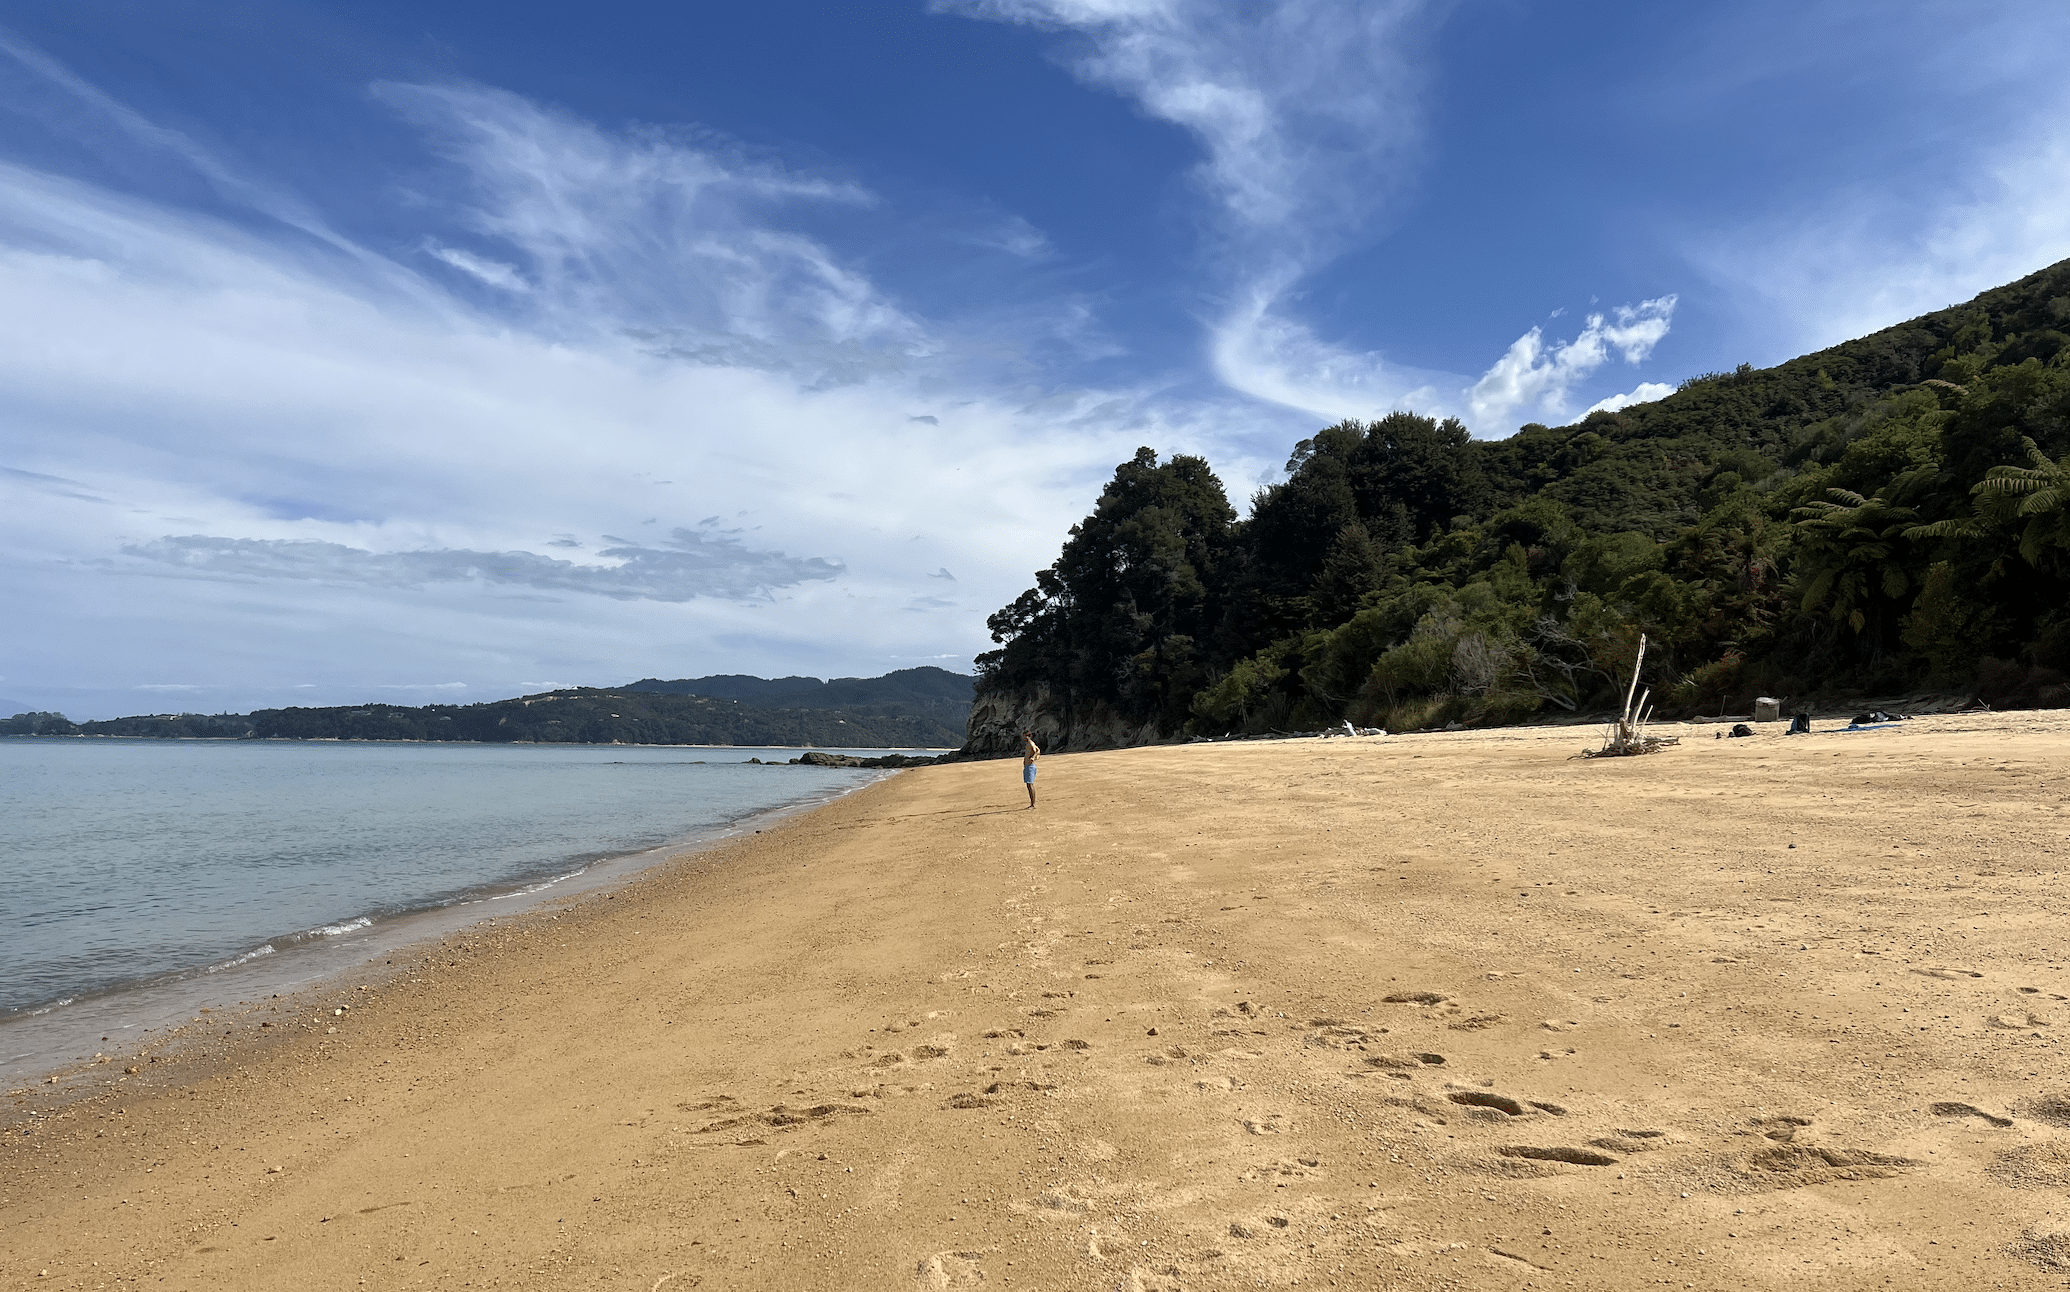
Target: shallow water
(128, 863)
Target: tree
(1853, 561)
(2036, 495)
(1119, 618)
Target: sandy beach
(1441, 1011)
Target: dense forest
(869, 713)
(924, 692)
(1887, 515)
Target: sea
(142, 881)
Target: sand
(1446, 1011)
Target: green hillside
(581, 715)
(1887, 514)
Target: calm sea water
(128, 863)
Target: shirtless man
(1030, 751)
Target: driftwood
(1628, 735)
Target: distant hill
(926, 685)
(647, 714)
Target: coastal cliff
(998, 717)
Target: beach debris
(1740, 729)
(1767, 708)
(1627, 735)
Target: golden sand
(1447, 1011)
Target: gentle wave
(333, 930)
(246, 958)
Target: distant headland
(913, 708)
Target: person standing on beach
(1030, 751)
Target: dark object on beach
(1742, 729)
(1800, 725)
(1874, 716)
(819, 758)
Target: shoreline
(485, 744)
(1448, 1010)
(41, 1047)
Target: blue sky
(386, 351)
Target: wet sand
(1444, 1011)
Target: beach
(1439, 1011)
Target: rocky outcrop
(997, 719)
(819, 758)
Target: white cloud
(248, 460)
(682, 567)
(670, 234)
(1014, 236)
(1644, 393)
(1263, 352)
(492, 272)
(1308, 115)
(1875, 259)
(1968, 196)
(1537, 376)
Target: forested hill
(581, 715)
(929, 691)
(1889, 514)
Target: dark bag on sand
(1742, 729)
(1800, 725)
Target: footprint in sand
(1503, 1103)
(953, 1270)
(2016, 1022)
(2048, 1248)
(1404, 1062)
(1631, 1141)
(2050, 1110)
(1571, 1156)
(1793, 1166)
(1336, 1035)
(2032, 1166)
(1781, 1129)
(1478, 1022)
(782, 1117)
(1949, 1108)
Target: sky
(449, 351)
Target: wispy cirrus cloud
(674, 235)
(493, 273)
(1870, 259)
(1310, 118)
(305, 458)
(685, 566)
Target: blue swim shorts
(1028, 772)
